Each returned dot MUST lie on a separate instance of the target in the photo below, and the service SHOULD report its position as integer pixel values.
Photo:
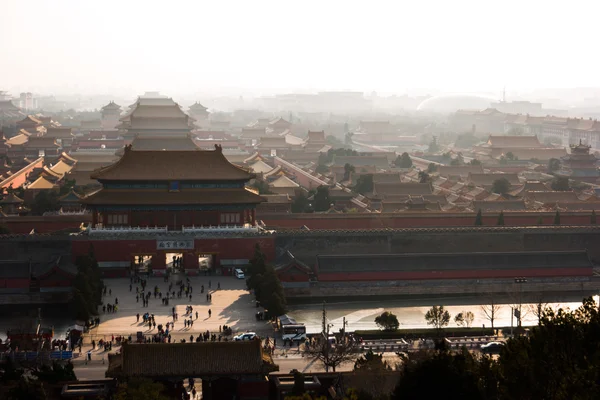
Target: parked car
(492, 347)
(245, 336)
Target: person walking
(196, 314)
(209, 313)
(138, 317)
(218, 285)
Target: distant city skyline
(267, 47)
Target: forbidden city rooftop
(182, 165)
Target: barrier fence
(36, 355)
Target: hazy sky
(181, 47)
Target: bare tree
(331, 355)
(491, 310)
(539, 307)
(464, 318)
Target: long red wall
(455, 274)
(414, 220)
(331, 221)
(47, 224)
(121, 250)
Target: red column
(253, 217)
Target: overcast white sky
(180, 47)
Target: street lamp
(517, 312)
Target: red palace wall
(123, 250)
(24, 225)
(396, 220)
(14, 283)
(48, 224)
(456, 274)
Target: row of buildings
(564, 131)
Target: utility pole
(324, 322)
(512, 313)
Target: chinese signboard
(174, 244)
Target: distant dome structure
(449, 103)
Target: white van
(239, 274)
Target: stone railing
(127, 229)
(164, 229)
(220, 228)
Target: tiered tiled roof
(553, 197)
(261, 167)
(166, 142)
(198, 165)
(513, 141)
(188, 197)
(59, 133)
(111, 106)
(283, 181)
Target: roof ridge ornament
(218, 148)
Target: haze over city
(265, 47)
(316, 200)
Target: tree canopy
(424, 177)
(466, 140)
(348, 170)
(265, 283)
(431, 168)
(561, 183)
(44, 201)
(559, 359)
(438, 317)
(478, 218)
(464, 318)
(557, 218)
(261, 186)
(322, 201)
(364, 184)
(301, 204)
(387, 321)
(434, 147)
(403, 161)
(500, 219)
(87, 288)
(553, 165)
(501, 186)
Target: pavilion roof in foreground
(190, 359)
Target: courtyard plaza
(230, 305)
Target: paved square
(231, 305)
